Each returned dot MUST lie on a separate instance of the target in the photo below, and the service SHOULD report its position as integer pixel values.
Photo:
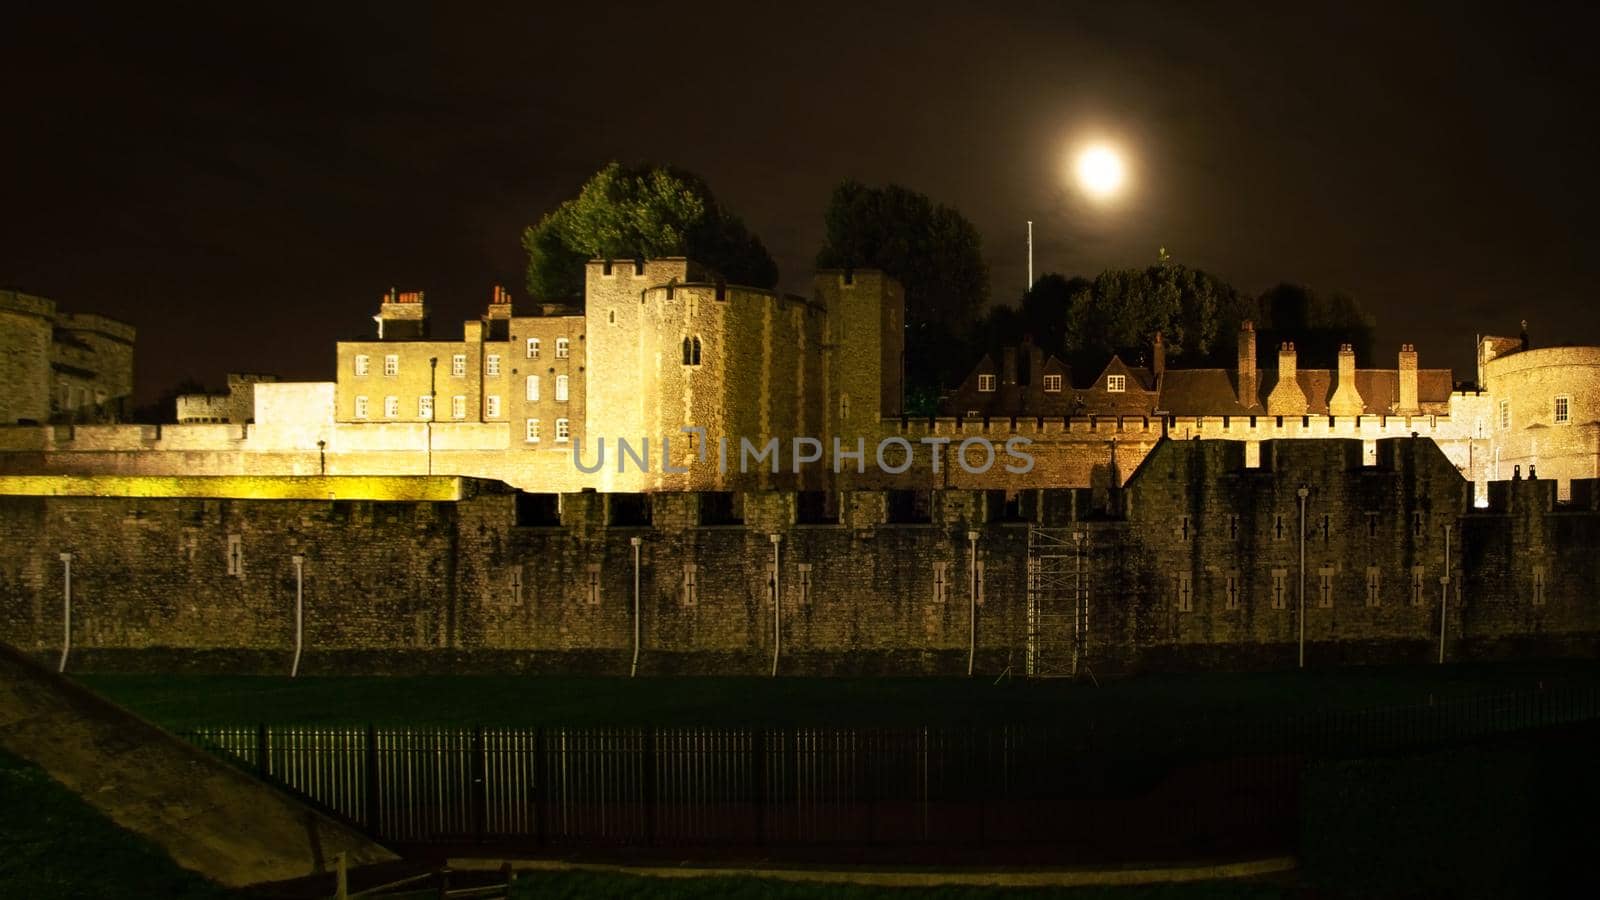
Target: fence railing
(1228, 785)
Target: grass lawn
(52, 844)
(182, 701)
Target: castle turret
(1248, 394)
(1346, 400)
(1408, 382)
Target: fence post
(374, 805)
(758, 782)
(541, 780)
(480, 784)
(648, 761)
(263, 752)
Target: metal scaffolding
(1058, 603)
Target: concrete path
(210, 817)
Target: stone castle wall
(1194, 563)
(25, 326)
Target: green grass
(181, 701)
(52, 844)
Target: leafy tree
(1197, 314)
(1317, 324)
(644, 211)
(934, 252)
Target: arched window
(687, 352)
(691, 351)
(696, 351)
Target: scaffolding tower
(1058, 603)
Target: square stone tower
(865, 344)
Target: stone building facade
(60, 367)
(1194, 563)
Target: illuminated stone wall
(494, 581)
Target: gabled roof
(1137, 377)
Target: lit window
(985, 383)
(458, 365)
(1052, 383)
(491, 406)
(361, 407)
(362, 362)
(425, 406)
(458, 407)
(391, 407)
(563, 348)
(533, 348)
(533, 431)
(561, 388)
(533, 388)
(1505, 414)
(492, 365)
(1116, 384)
(1562, 416)
(563, 431)
(391, 365)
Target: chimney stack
(1008, 366)
(1158, 356)
(1408, 382)
(1287, 399)
(1346, 400)
(1248, 395)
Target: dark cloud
(243, 182)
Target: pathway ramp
(210, 817)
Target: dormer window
(985, 384)
(1052, 384)
(1116, 384)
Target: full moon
(1100, 171)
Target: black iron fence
(1196, 784)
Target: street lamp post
(433, 402)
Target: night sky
(243, 184)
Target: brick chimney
(1035, 361)
(1158, 356)
(1008, 366)
(1408, 382)
(1346, 400)
(402, 316)
(1248, 395)
(1286, 398)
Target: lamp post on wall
(433, 402)
(634, 669)
(66, 610)
(777, 619)
(1303, 493)
(1444, 591)
(972, 600)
